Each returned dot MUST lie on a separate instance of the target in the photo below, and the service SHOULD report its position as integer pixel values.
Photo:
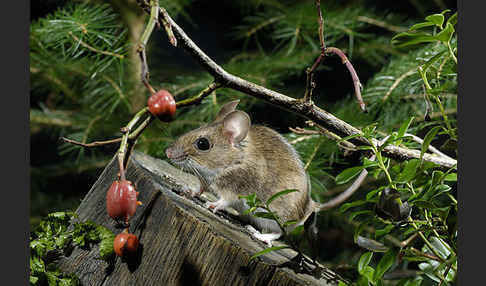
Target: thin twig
(168, 28)
(397, 81)
(351, 189)
(198, 98)
(310, 84)
(94, 49)
(357, 84)
(92, 144)
(431, 148)
(381, 24)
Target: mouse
(233, 158)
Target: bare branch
(298, 106)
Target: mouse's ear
(236, 126)
(226, 109)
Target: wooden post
(181, 242)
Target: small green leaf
(421, 25)
(383, 231)
(346, 206)
(364, 260)
(432, 60)
(289, 222)
(368, 272)
(408, 39)
(403, 129)
(441, 189)
(437, 19)
(33, 279)
(346, 175)
(267, 250)
(424, 204)
(409, 171)
(250, 210)
(367, 163)
(446, 35)
(428, 139)
(279, 194)
(266, 215)
(452, 20)
(371, 195)
(451, 177)
(355, 214)
(385, 263)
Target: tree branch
(298, 106)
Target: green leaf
(346, 206)
(443, 213)
(424, 204)
(403, 129)
(346, 175)
(452, 177)
(289, 222)
(437, 19)
(33, 279)
(421, 25)
(250, 210)
(367, 163)
(368, 272)
(385, 263)
(279, 194)
(364, 260)
(372, 194)
(452, 20)
(441, 189)
(432, 60)
(267, 250)
(428, 139)
(383, 231)
(251, 199)
(409, 171)
(446, 35)
(266, 215)
(407, 39)
(355, 214)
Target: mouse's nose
(169, 152)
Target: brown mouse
(231, 158)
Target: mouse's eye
(202, 144)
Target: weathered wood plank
(182, 243)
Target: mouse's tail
(346, 194)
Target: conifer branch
(94, 49)
(298, 106)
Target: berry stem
(124, 150)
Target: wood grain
(181, 242)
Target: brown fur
(263, 163)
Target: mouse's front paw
(266, 238)
(193, 193)
(217, 205)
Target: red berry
(162, 105)
(121, 200)
(125, 243)
(119, 243)
(132, 243)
